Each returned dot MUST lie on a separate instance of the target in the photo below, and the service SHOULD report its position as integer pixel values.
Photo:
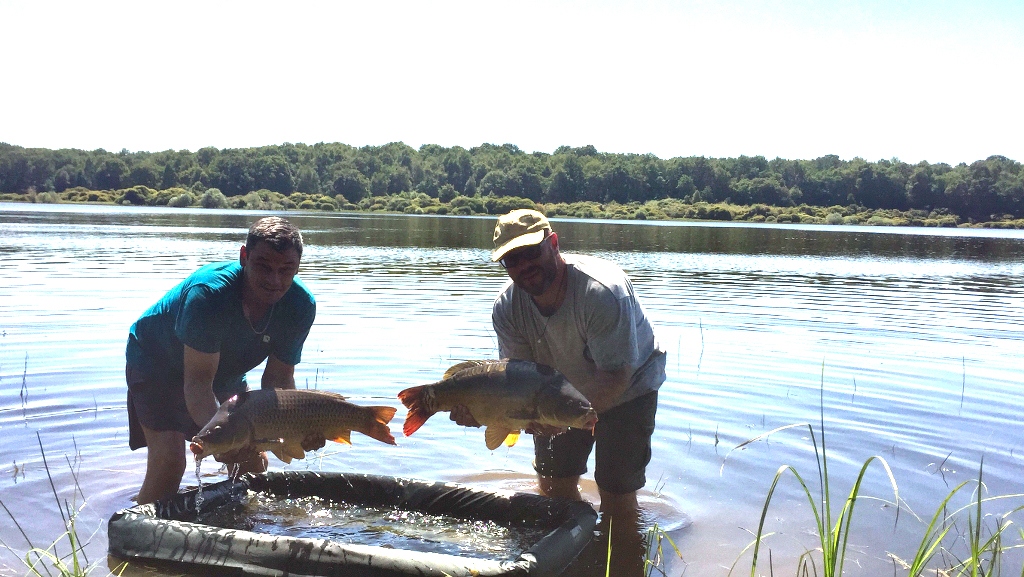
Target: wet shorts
(623, 439)
(160, 405)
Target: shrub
(833, 218)
(474, 204)
(183, 200)
(162, 197)
(719, 213)
(48, 197)
(213, 198)
(137, 195)
(505, 204)
(446, 193)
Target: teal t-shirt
(205, 312)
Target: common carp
(277, 420)
(506, 396)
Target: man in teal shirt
(191, 350)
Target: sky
(935, 81)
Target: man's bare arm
(603, 388)
(278, 374)
(200, 369)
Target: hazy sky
(941, 81)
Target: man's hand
(313, 441)
(461, 415)
(244, 460)
(544, 430)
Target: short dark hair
(280, 234)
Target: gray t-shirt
(600, 320)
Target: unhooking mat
(167, 532)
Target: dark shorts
(623, 440)
(159, 405)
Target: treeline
(983, 191)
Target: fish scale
(506, 396)
(279, 420)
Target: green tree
(272, 173)
(142, 175)
(351, 185)
(446, 193)
(307, 180)
(568, 182)
(924, 191)
(110, 174)
(169, 178)
(399, 180)
(762, 190)
(231, 172)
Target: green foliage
(213, 198)
(833, 537)
(183, 200)
(582, 180)
(136, 195)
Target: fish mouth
(196, 446)
(590, 421)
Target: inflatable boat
(172, 531)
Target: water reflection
(907, 343)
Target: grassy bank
(421, 203)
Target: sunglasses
(523, 255)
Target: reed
(654, 558)
(985, 546)
(833, 531)
(983, 543)
(49, 561)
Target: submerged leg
(560, 487)
(165, 465)
(620, 524)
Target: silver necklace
(266, 325)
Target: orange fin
(412, 398)
(344, 437)
(379, 427)
(511, 439)
(494, 436)
(383, 415)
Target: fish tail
(379, 428)
(413, 398)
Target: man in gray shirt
(580, 315)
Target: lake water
(907, 343)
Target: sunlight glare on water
(320, 518)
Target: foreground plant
(833, 536)
(985, 548)
(39, 561)
(654, 560)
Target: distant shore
(420, 203)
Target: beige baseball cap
(519, 228)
